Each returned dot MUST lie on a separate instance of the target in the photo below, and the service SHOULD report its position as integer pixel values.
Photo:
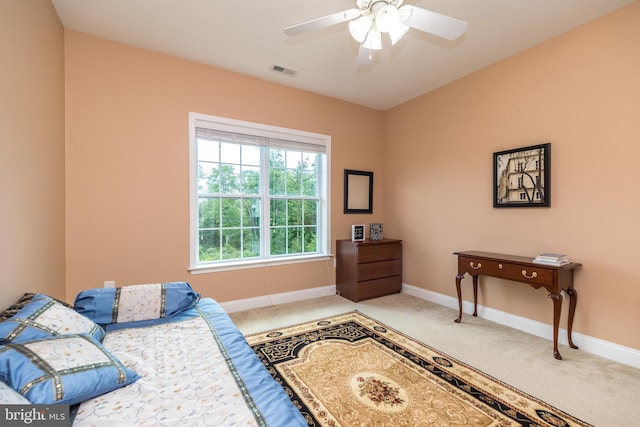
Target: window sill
(241, 265)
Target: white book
(552, 257)
(557, 263)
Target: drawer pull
(500, 266)
(474, 267)
(533, 275)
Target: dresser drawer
(379, 252)
(379, 287)
(375, 270)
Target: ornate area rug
(351, 370)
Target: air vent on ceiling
(284, 70)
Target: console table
(524, 270)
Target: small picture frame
(522, 177)
(375, 231)
(357, 233)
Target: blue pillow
(135, 302)
(45, 317)
(65, 369)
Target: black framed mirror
(358, 191)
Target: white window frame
(268, 131)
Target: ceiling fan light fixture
(373, 41)
(360, 27)
(386, 18)
(397, 31)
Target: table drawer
(528, 274)
(379, 253)
(521, 273)
(374, 270)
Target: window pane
(251, 155)
(209, 245)
(310, 239)
(294, 213)
(295, 240)
(294, 159)
(309, 183)
(208, 178)
(231, 243)
(231, 216)
(208, 151)
(250, 180)
(230, 153)
(209, 212)
(278, 212)
(276, 158)
(277, 181)
(278, 241)
(310, 212)
(229, 179)
(251, 210)
(294, 182)
(310, 161)
(250, 242)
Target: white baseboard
(277, 299)
(609, 350)
(612, 351)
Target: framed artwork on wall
(522, 177)
(358, 191)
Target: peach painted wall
(128, 164)
(579, 91)
(32, 246)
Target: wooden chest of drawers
(368, 269)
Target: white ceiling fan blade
(325, 21)
(432, 22)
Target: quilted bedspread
(196, 370)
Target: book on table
(552, 259)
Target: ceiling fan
(372, 18)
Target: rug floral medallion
(351, 370)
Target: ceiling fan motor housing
(372, 6)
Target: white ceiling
(246, 36)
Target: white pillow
(9, 396)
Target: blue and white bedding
(172, 360)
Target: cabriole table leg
(458, 279)
(573, 300)
(557, 307)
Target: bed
(158, 355)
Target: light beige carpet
(591, 388)
(351, 370)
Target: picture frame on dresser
(357, 233)
(375, 231)
(522, 177)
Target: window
(258, 194)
